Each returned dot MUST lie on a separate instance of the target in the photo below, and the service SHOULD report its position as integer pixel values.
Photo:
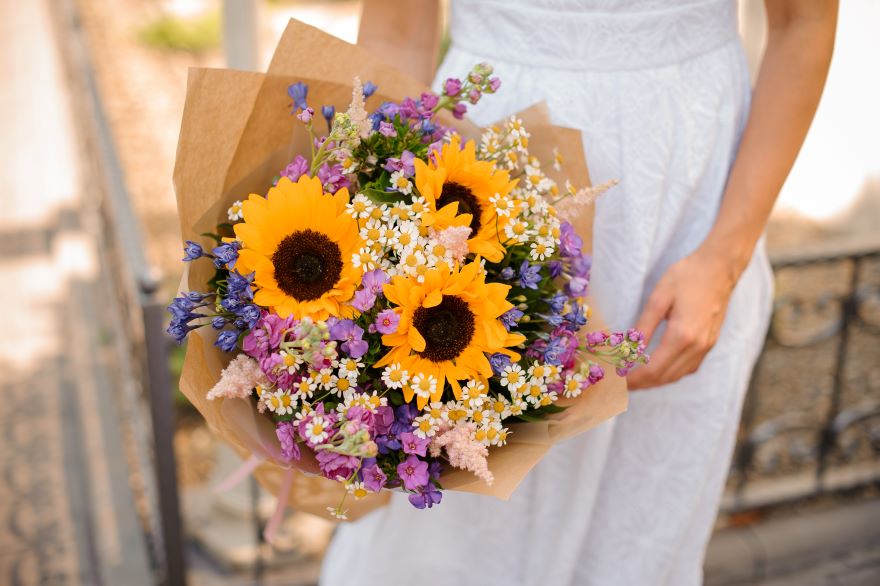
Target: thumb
(656, 310)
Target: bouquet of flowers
(398, 302)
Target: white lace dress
(660, 90)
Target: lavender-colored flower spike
(298, 92)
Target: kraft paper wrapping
(236, 133)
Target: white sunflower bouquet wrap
(379, 296)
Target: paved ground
(66, 513)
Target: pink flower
(455, 239)
(464, 451)
(386, 321)
(238, 379)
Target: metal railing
(142, 345)
(811, 422)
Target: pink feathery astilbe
(464, 451)
(238, 379)
(455, 240)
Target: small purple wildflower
(413, 473)
(386, 321)
(452, 87)
(298, 92)
(529, 275)
(192, 251)
(387, 129)
(286, 433)
(374, 478)
(413, 444)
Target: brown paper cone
(236, 133)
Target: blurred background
(105, 470)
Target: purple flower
(474, 96)
(413, 444)
(529, 275)
(429, 101)
(364, 300)
(426, 497)
(383, 419)
(286, 433)
(226, 340)
(328, 112)
(413, 473)
(576, 318)
(179, 330)
(459, 111)
(351, 335)
(333, 178)
(374, 280)
(452, 87)
(267, 334)
(494, 84)
(597, 373)
(374, 478)
(388, 110)
(511, 317)
(296, 169)
(306, 115)
(240, 286)
(192, 251)
(386, 321)
(557, 302)
(403, 418)
(298, 92)
(499, 362)
(580, 266)
(555, 268)
(596, 338)
(409, 109)
(219, 322)
(225, 255)
(369, 89)
(387, 129)
(387, 444)
(507, 273)
(334, 465)
(405, 163)
(570, 244)
(577, 286)
(249, 314)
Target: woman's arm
(693, 294)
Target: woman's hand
(692, 297)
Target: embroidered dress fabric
(660, 90)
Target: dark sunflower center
(467, 203)
(307, 265)
(447, 328)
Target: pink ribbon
(280, 507)
(243, 471)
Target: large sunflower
(299, 241)
(448, 323)
(457, 177)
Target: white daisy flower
(365, 258)
(400, 182)
(234, 213)
(424, 385)
(356, 489)
(326, 380)
(360, 206)
(317, 430)
(350, 368)
(280, 403)
(423, 427)
(513, 376)
(573, 385)
(394, 376)
(540, 251)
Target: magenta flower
(413, 444)
(334, 466)
(387, 129)
(459, 111)
(386, 321)
(333, 178)
(296, 169)
(452, 87)
(374, 478)
(413, 473)
(364, 300)
(286, 433)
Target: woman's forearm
(799, 46)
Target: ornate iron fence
(811, 422)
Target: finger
(662, 359)
(656, 310)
